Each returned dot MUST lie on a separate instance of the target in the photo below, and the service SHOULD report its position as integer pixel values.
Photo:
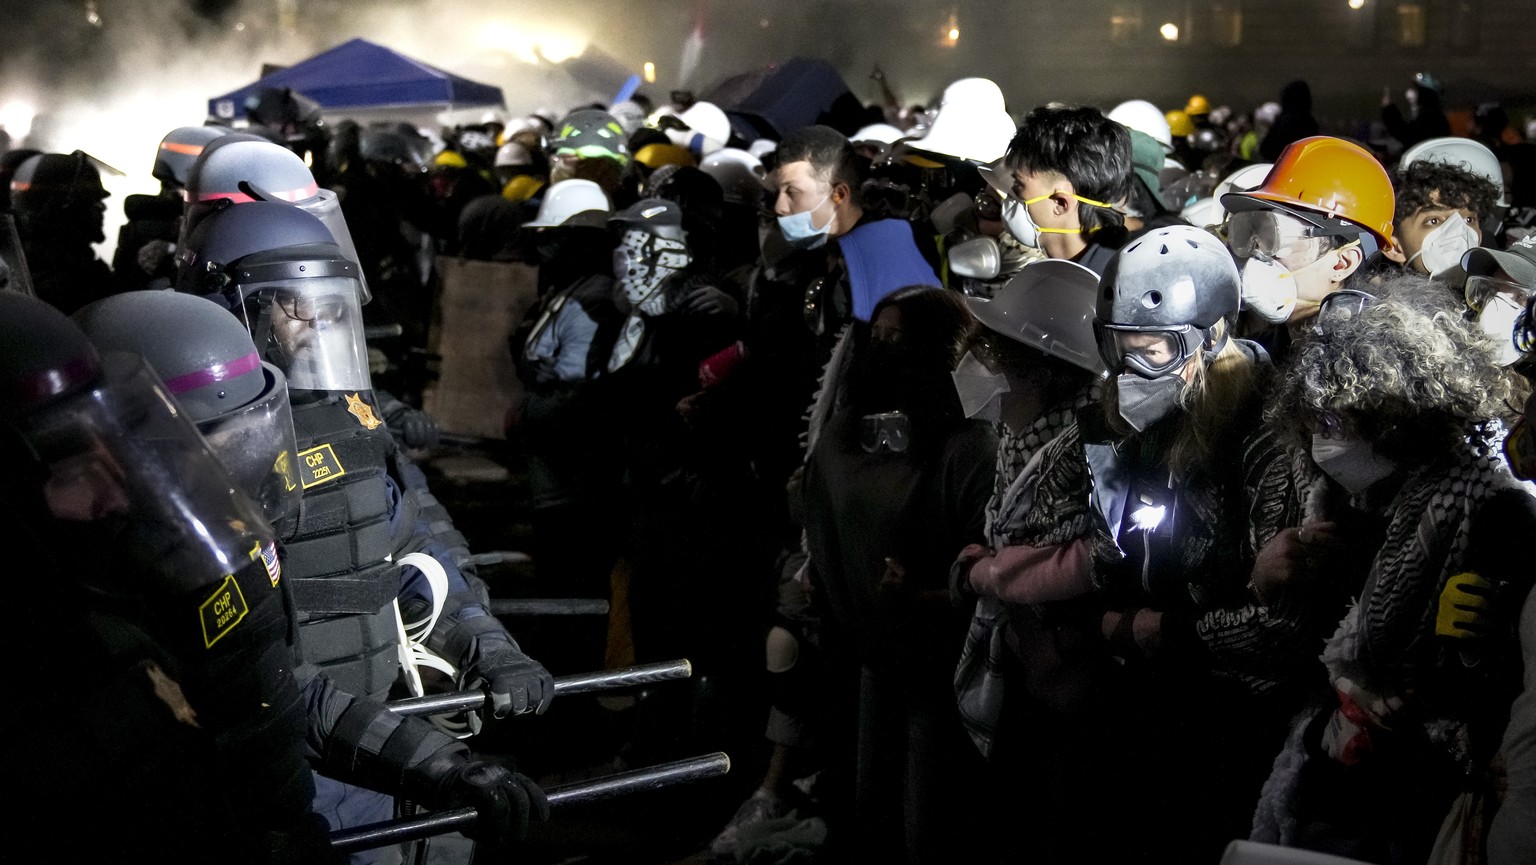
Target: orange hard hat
(1327, 179)
(1179, 123)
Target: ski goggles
(1151, 353)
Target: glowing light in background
(952, 31)
(650, 72)
(529, 45)
(1357, 4)
(16, 116)
(92, 15)
(1170, 31)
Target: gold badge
(222, 611)
(363, 412)
(318, 465)
(283, 467)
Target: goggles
(1341, 305)
(1482, 289)
(1150, 353)
(1270, 235)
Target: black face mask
(883, 376)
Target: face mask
(1353, 463)
(1497, 321)
(642, 263)
(1269, 287)
(1022, 226)
(1145, 401)
(1444, 247)
(798, 229)
(980, 389)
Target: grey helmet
(654, 216)
(1178, 281)
(1047, 306)
(209, 364)
(180, 148)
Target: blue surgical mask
(800, 232)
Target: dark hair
(831, 156)
(1082, 145)
(912, 375)
(1420, 185)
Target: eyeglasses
(300, 307)
(1346, 302)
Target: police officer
(58, 201)
(240, 404)
(365, 506)
(155, 590)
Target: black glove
(505, 800)
(516, 682)
(708, 300)
(416, 428)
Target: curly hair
(1439, 185)
(1407, 372)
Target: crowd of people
(1057, 486)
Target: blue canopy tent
(362, 76)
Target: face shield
(311, 327)
(130, 480)
(256, 444)
(13, 263)
(326, 207)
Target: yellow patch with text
(223, 610)
(319, 465)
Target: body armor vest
(339, 548)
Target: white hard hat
(707, 118)
(739, 173)
(1251, 853)
(1209, 211)
(568, 198)
(1266, 113)
(884, 133)
(1143, 116)
(972, 123)
(512, 154)
(629, 114)
(762, 147)
(1463, 153)
(1049, 306)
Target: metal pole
(500, 557)
(581, 683)
(621, 784)
(550, 607)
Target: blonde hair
(1210, 400)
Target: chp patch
(319, 465)
(223, 610)
(363, 412)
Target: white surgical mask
(1444, 247)
(799, 230)
(980, 389)
(1497, 320)
(1353, 463)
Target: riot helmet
(242, 168)
(298, 294)
(61, 191)
(180, 148)
(114, 467)
(208, 362)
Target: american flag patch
(274, 567)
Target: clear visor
(123, 455)
(326, 207)
(312, 329)
(257, 445)
(1482, 290)
(1150, 353)
(13, 263)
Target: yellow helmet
(654, 156)
(1197, 105)
(1179, 123)
(449, 159)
